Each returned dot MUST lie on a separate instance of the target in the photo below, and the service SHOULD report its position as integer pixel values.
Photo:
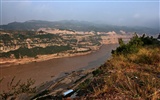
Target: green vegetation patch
(33, 52)
(135, 44)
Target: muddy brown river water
(50, 69)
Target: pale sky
(115, 12)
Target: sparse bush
(85, 84)
(97, 72)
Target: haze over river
(50, 69)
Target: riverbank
(6, 62)
(55, 87)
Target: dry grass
(18, 88)
(135, 76)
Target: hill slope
(131, 73)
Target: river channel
(47, 70)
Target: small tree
(120, 41)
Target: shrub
(97, 72)
(134, 45)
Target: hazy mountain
(74, 25)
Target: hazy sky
(117, 12)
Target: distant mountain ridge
(74, 25)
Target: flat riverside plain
(51, 69)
